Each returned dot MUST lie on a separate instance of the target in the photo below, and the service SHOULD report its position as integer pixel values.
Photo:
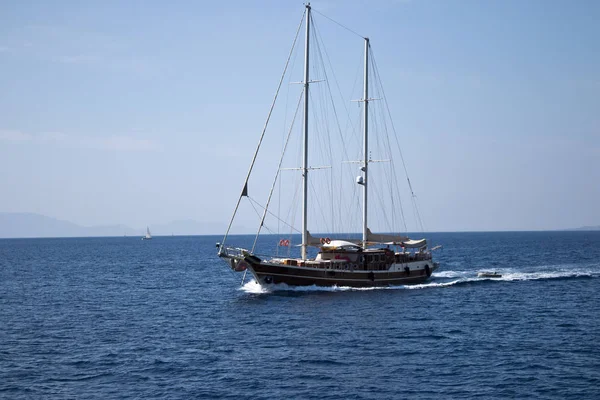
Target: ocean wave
(530, 276)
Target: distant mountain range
(587, 228)
(29, 225)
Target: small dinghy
(488, 274)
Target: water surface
(126, 318)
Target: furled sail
(384, 238)
(319, 241)
(313, 241)
(403, 241)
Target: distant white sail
(148, 235)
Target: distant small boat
(488, 274)
(148, 235)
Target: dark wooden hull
(267, 273)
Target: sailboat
(148, 235)
(341, 260)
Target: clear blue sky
(144, 112)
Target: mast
(365, 143)
(305, 152)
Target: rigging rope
(278, 171)
(320, 44)
(244, 190)
(261, 206)
(337, 23)
(413, 196)
(385, 144)
(324, 114)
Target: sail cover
(384, 238)
(317, 241)
(403, 241)
(313, 241)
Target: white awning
(371, 237)
(338, 244)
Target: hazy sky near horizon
(146, 112)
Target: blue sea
(124, 318)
